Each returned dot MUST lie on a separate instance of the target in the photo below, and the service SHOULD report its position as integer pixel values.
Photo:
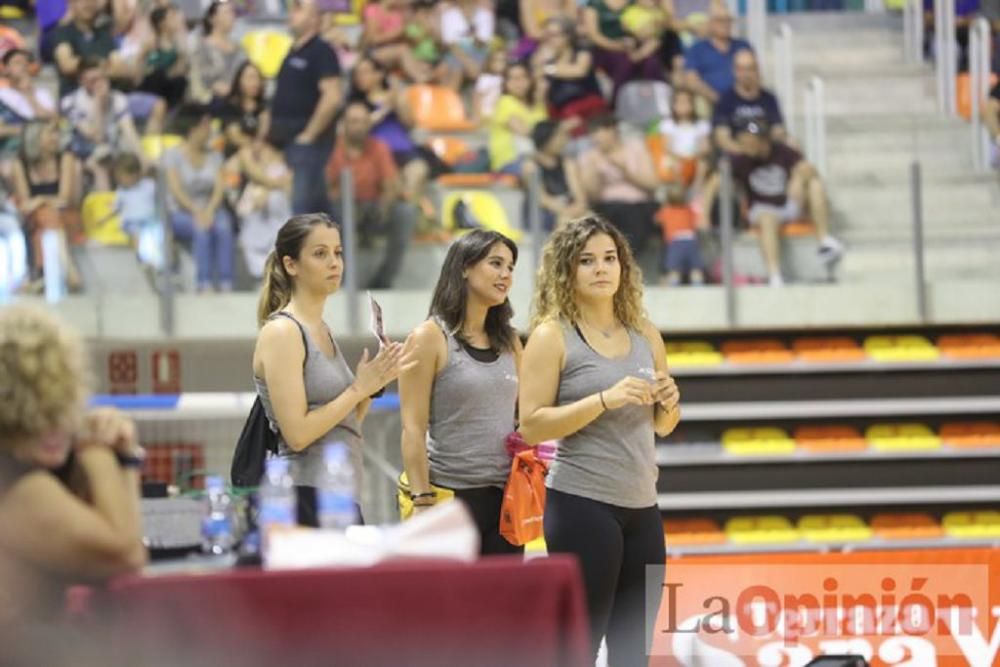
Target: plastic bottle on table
(336, 492)
(217, 520)
(276, 495)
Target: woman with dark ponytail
(307, 389)
(458, 399)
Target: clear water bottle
(336, 492)
(276, 495)
(217, 521)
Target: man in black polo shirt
(304, 104)
(779, 186)
(747, 101)
(84, 35)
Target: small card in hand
(378, 328)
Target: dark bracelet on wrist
(132, 459)
(426, 494)
(378, 394)
(600, 395)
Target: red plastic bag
(523, 499)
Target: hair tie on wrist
(600, 395)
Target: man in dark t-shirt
(778, 183)
(84, 35)
(747, 101)
(306, 96)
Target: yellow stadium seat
(154, 145)
(902, 437)
(486, 208)
(536, 547)
(900, 348)
(765, 529)
(972, 524)
(100, 223)
(692, 353)
(757, 441)
(267, 50)
(834, 528)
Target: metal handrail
(726, 236)
(784, 73)
(946, 65)
(757, 28)
(815, 116)
(913, 31)
(980, 49)
(350, 241)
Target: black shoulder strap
(302, 330)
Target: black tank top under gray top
(325, 379)
(471, 413)
(613, 458)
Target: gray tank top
(325, 379)
(613, 458)
(472, 411)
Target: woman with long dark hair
(243, 111)
(599, 383)
(458, 399)
(217, 55)
(308, 391)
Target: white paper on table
(445, 531)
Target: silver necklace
(606, 334)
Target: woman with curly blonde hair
(599, 384)
(69, 480)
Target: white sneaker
(776, 280)
(830, 251)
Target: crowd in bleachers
(624, 107)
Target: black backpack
(257, 439)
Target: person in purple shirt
(709, 62)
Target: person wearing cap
(560, 196)
(780, 186)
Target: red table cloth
(498, 611)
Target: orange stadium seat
(905, 526)
(970, 346)
(756, 351)
(971, 434)
(692, 531)
(829, 439)
(827, 349)
(438, 109)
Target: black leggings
(306, 511)
(622, 553)
(484, 503)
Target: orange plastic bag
(523, 499)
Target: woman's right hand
(372, 375)
(629, 391)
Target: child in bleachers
(681, 254)
(489, 86)
(686, 141)
(135, 204)
(384, 37)
(424, 36)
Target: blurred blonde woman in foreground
(69, 479)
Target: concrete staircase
(882, 115)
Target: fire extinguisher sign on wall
(166, 366)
